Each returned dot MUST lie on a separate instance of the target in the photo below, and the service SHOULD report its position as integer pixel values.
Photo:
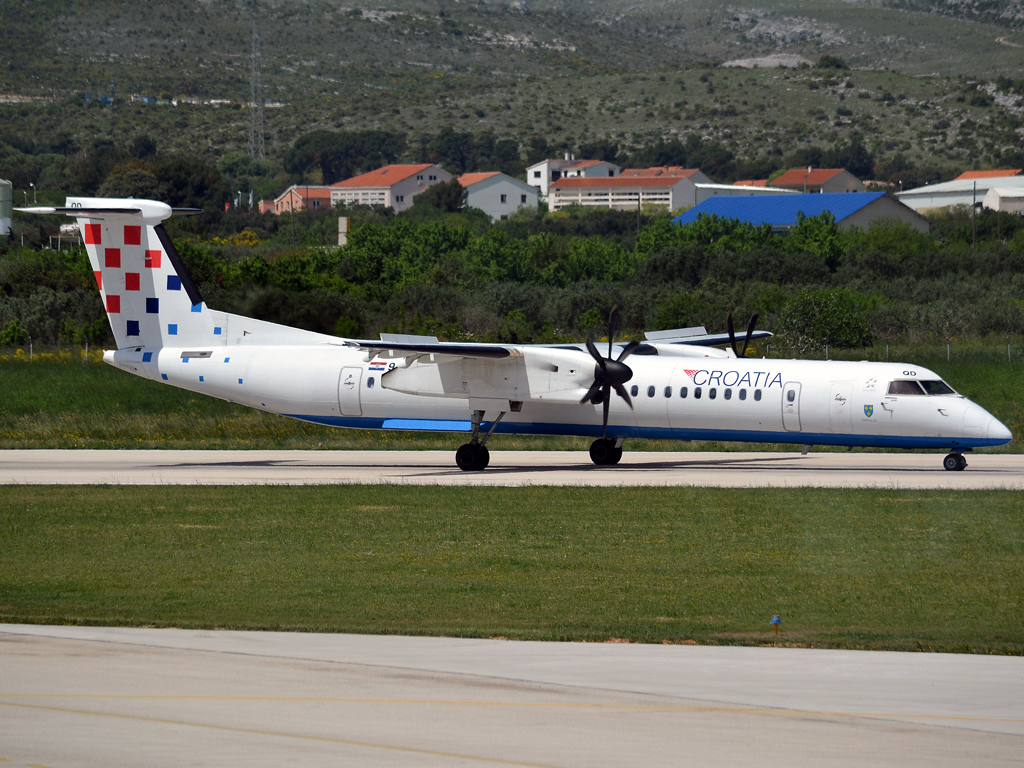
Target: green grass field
(50, 404)
(872, 569)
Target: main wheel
(952, 462)
(483, 457)
(468, 457)
(604, 452)
(962, 462)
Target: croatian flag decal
(378, 365)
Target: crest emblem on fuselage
(868, 410)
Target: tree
(132, 179)
(449, 197)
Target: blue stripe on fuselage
(660, 433)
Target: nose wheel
(954, 462)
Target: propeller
(609, 374)
(732, 333)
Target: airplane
(678, 384)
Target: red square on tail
(92, 234)
(153, 259)
(99, 280)
(113, 304)
(112, 258)
(132, 235)
(131, 281)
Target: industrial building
(1003, 199)
(859, 210)
(960, 191)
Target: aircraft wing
(453, 349)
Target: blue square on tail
(152, 306)
(173, 283)
(163, 376)
(197, 307)
(133, 328)
(147, 357)
(216, 330)
(172, 329)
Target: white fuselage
(679, 398)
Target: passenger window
(696, 393)
(905, 388)
(790, 395)
(712, 393)
(728, 394)
(682, 391)
(668, 391)
(650, 391)
(369, 383)
(743, 394)
(633, 390)
(757, 394)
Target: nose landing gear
(954, 462)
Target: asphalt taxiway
(510, 468)
(83, 696)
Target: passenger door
(348, 391)
(841, 406)
(791, 406)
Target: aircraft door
(840, 407)
(348, 391)
(791, 406)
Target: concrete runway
(510, 468)
(78, 696)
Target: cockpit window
(905, 388)
(937, 387)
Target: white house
(956, 192)
(393, 186)
(497, 194)
(543, 174)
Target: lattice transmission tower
(256, 148)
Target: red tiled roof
(387, 176)
(468, 179)
(751, 183)
(618, 181)
(664, 170)
(988, 174)
(306, 193)
(795, 176)
(575, 163)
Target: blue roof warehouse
(851, 209)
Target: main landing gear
(606, 451)
(474, 456)
(954, 462)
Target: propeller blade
(611, 329)
(594, 353)
(750, 332)
(621, 392)
(594, 389)
(604, 429)
(628, 350)
(732, 334)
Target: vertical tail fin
(148, 294)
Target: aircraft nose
(998, 431)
